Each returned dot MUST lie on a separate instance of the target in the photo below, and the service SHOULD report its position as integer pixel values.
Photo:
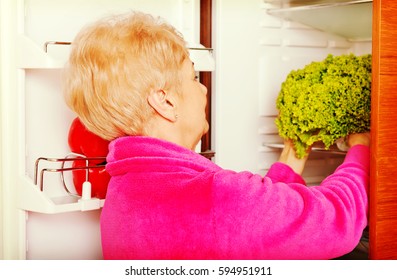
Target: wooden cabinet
(383, 187)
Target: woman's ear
(159, 101)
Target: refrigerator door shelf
(35, 197)
(32, 199)
(202, 58)
(31, 56)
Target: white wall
(236, 84)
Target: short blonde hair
(114, 64)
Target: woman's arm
(288, 157)
(278, 217)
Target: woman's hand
(359, 139)
(288, 157)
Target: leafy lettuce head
(325, 101)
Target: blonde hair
(114, 64)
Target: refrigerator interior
(253, 50)
(254, 53)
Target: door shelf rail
(34, 196)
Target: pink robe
(167, 202)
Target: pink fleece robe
(167, 202)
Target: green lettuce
(325, 101)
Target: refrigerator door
(48, 222)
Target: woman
(130, 80)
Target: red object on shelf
(82, 141)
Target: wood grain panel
(383, 188)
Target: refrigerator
(254, 44)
